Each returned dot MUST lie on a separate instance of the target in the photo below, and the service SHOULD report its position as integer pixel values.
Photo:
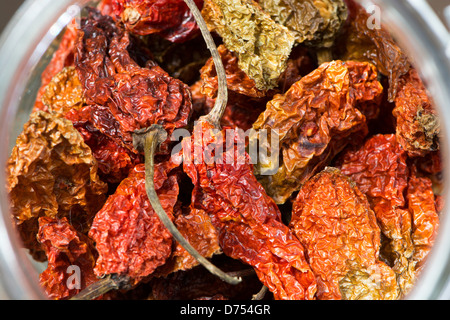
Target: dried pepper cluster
(117, 209)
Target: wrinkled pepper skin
(63, 57)
(171, 19)
(418, 127)
(261, 45)
(425, 217)
(66, 251)
(196, 227)
(130, 238)
(247, 220)
(52, 173)
(404, 203)
(114, 160)
(374, 45)
(316, 119)
(334, 221)
(64, 92)
(313, 22)
(124, 96)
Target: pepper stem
(215, 115)
(151, 139)
(102, 286)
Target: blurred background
(9, 7)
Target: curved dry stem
(152, 140)
(102, 286)
(215, 115)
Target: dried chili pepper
(425, 219)
(380, 170)
(124, 96)
(171, 19)
(334, 221)
(148, 140)
(418, 127)
(314, 23)
(64, 95)
(248, 221)
(51, 172)
(316, 119)
(130, 239)
(261, 45)
(299, 64)
(374, 45)
(245, 102)
(71, 259)
(417, 123)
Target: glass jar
(25, 48)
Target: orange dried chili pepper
(334, 221)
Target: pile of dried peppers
(115, 207)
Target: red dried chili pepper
(380, 170)
(171, 19)
(196, 227)
(124, 96)
(247, 219)
(64, 92)
(130, 239)
(71, 259)
(334, 221)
